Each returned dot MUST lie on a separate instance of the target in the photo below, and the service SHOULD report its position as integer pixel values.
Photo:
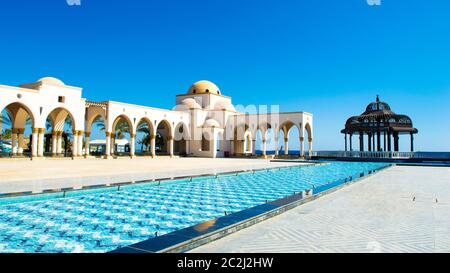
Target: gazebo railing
(381, 155)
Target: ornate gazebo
(380, 124)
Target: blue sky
(327, 57)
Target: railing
(387, 155)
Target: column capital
(108, 134)
(35, 130)
(80, 133)
(310, 139)
(169, 138)
(21, 131)
(132, 135)
(264, 141)
(41, 130)
(14, 131)
(302, 139)
(59, 133)
(87, 134)
(286, 139)
(54, 133)
(152, 137)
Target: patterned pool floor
(107, 220)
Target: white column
(253, 146)
(310, 145)
(232, 143)
(152, 145)
(132, 148)
(86, 144)
(20, 141)
(113, 144)
(75, 144)
(41, 142)
(54, 143)
(276, 146)
(80, 144)
(302, 148)
(59, 143)
(264, 148)
(14, 141)
(108, 145)
(34, 143)
(170, 145)
(286, 146)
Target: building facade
(204, 122)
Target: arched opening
(280, 148)
(220, 144)
(16, 123)
(120, 136)
(309, 135)
(181, 138)
(248, 143)
(59, 133)
(144, 133)
(97, 137)
(163, 138)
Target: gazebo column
(396, 140)
(351, 144)
(87, 140)
(378, 141)
(389, 140)
(108, 145)
(152, 145)
(345, 141)
(412, 141)
(361, 141)
(286, 146)
(34, 142)
(302, 148)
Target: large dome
(204, 87)
(51, 80)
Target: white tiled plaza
(375, 215)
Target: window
(61, 99)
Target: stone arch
(117, 136)
(145, 133)
(181, 137)
(17, 112)
(164, 137)
(57, 140)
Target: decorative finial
(378, 98)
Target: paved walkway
(375, 215)
(36, 176)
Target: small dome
(210, 123)
(51, 80)
(188, 104)
(204, 87)
(224, 105)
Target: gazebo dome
(51, 80)
(204, 87)
(379, 119)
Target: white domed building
(203, 123)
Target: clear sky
(327, 57)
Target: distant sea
(291, 152)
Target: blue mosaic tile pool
(107, 219)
